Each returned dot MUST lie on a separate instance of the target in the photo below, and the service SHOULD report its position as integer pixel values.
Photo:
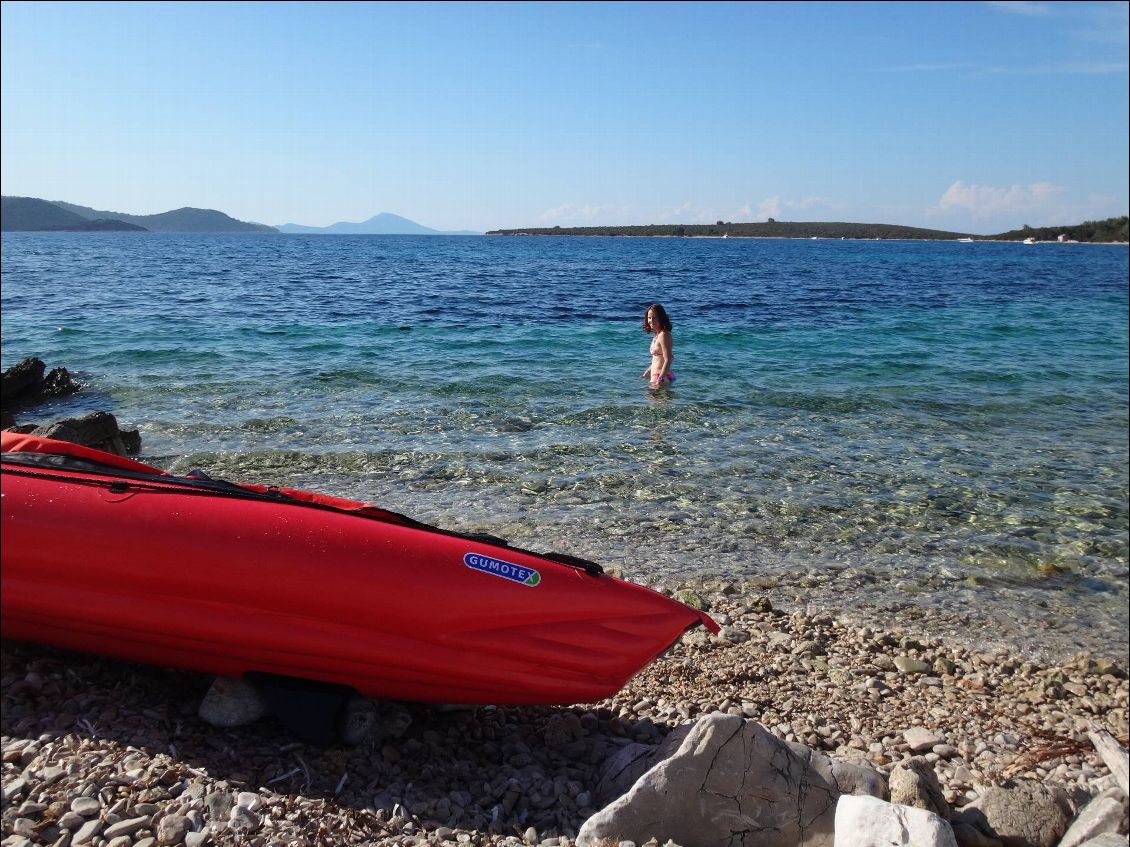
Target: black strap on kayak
(199, 483)
(574, 562)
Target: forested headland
(1109, 230)
(1112, 229)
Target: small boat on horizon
(965, 240)
(1029, 240)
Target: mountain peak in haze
(385, 223)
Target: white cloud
(769, 208)
(775, 207)
(1107, 23)
(688, 213)
(983, 208)
(685, 213)
(592, 214)
(573, 214)
(983, 202)
(1085, 24)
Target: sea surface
(930, 434)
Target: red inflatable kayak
(107, 555)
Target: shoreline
(802, 238)
(127, 736)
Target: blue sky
(977, 117)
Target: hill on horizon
(767, 229)
(1111, 230)
(30, 214)
(384, 223)
(186, 219)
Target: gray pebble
(127, 827)
(242, 820)
(172, 830)
(87, 831)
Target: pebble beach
(104, 753)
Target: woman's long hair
(662, 322)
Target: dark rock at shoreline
(28, 382)
(98, 430)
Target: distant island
(186, 219)
(30, 214)
(385, 223)
(1110, 230)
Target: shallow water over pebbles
(914, 431)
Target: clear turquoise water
(920, 431)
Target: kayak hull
(138, 565)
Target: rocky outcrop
(733, 782)
(1023, 813)
(1105, 815)
(98, 430)
(29, 383)
(863, 821)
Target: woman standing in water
(656, 322)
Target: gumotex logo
(507, 570)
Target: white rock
(730, 779)
(1107, 839)
(921, 739)
(908, 664)
(249, 800)
(863, 821)
(1102, 815)
(242, 820)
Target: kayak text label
(507, 570)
